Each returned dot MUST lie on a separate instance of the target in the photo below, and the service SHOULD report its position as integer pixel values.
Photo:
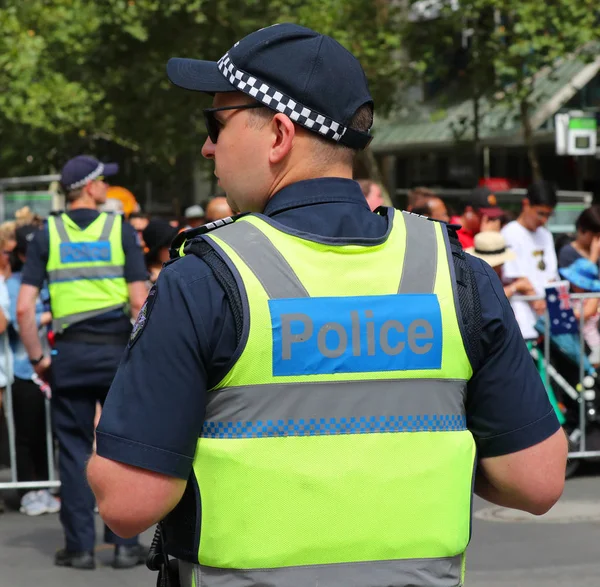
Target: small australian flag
(562, 318)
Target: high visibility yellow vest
(85, 269)
(335, 451)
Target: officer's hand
(46, 318)
(42, 368)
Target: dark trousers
(29, 412)
(73, 420)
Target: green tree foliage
(510, 44)
(73, 72)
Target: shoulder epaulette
(187, 235)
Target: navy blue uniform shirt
(80, 364)
(155, 408)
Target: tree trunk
(476, 140)
(367, 158)
(536, 172)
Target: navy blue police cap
(291, 69)
(83, 168)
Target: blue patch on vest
(85, 252)
(313, 336)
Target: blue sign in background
(85, 252)
(356, 334)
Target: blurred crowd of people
(524, 253)
(520, 248)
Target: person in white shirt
(536, 255)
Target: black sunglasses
(213, 126)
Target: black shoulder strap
(188, 235)
(468, 298)
(224, 277)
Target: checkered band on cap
(89, 177)
(277, 100)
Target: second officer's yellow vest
(335, 452)
(85, 269)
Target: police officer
(309, 390)
(95, 273)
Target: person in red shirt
(480, 213)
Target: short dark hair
(73, 195)
(589, 220)
(139, 215)
(542, 193)
(362, 120)
(420, 193)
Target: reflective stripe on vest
(103, 272)
(86, 269)
(335, 450)
(348, 407)
(443, 572)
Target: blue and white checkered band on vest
(276, 100)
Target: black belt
(120, 339)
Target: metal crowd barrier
(10, 423)
(549, 371)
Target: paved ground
(502, 554)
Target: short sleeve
(512, 269)
(34, 270)
(154, 411)
(508, 409)
(135, 266)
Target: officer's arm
(130, 499)
(137, 295)
(28, 295)
(531, 479)
(521, 447)
(153, 414)
(135, 270)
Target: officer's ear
(284, 131)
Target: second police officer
(312, 391)
(96, 279)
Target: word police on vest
(356, 334)
(85, 252)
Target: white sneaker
(32, 504)
(52, 503)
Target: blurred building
(425, 144)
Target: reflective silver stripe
(420, 257)
(59, 324)
(62, 231)
(104, 236)
(429, 572)
(108, 226)
(348, 407)
(263, 259)
(93, 272)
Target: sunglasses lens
(212, 126)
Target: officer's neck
(297, 173)
(85, 202)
